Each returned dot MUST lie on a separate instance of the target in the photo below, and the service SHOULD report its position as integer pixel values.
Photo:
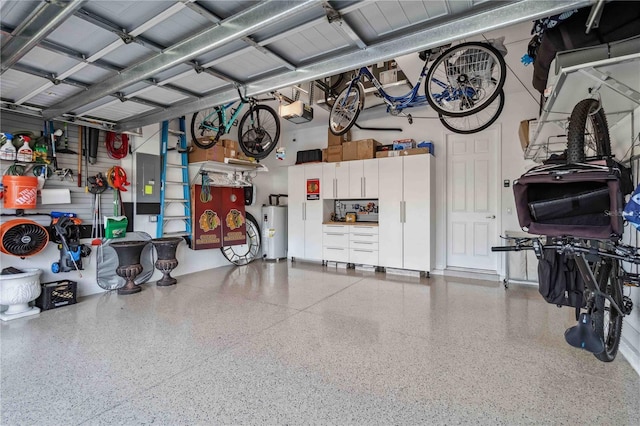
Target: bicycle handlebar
(629, 254)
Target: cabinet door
(327, 190)
(356, 181)
(390, 199)
(313, 217)
(417, 199)
(342, 180)
(370, 178)
(295, 219)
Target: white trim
(630, 354)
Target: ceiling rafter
(484, 18)
(250, 41)
(54, 81)
(35, 28)
(233, 28)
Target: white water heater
(274, 232)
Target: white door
(356, 179)
(389, 210)
(342, 180)
(327, 190)
(370, 175)
(313, 217)
(295, 216)
(472, 199)
(417, 201)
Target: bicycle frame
(227, 124)
(411, 99)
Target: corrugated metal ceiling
(125, 64)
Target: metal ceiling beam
(335, 18)
(38, 26)
(233, 28)
(481, 19)
(202, 11)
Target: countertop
(351, 223)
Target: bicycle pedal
(583, 336)
(627, 305)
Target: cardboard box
(404, 144)
(230, 153)
(229, 143)
(324, 155)
(215, 153)
(366, 149)
(349, 151)
(334, 154)
(334, 140)
(526, 131)
(401, 153)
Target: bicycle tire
(244, 254)
(350, 111)
(258, 141)
(198, 131)
(455, 124)
(587, 112)
(606, 320)
(469, 65)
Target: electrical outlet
(153, 218)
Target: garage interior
(310, 336)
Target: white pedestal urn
(17, 290)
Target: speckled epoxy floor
(275, 343)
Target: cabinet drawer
(369, 238)
(360, 229)
(363, 256)
(335, 239)
(336, 228)
(335, 254)
(365, 245)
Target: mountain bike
(258, 131)
(577, 203)
(599, 263)
(462, 81)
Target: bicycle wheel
(465, 79)
(476, 122)
(607, 321)
(245, 253)
(588, 133)
(259, 131)
(206, 127)
(346, 109)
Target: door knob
(493, 216)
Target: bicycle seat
(583, 336)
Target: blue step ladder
(172, 159)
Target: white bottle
(8, 151)
(25, 153)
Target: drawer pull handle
(334, 248)
(361, 242)
(334, 233)
(366, 251)
(363, 235)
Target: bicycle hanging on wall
(258, 130)
(462, 82)
(577, 204)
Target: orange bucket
(20, 192)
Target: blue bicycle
(463, 81)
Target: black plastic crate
(56, 294)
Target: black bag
(578, 200)
(559, 280)
(309, 156)
(620, 20)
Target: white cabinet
(335, 177)
(304, 216)
(406, 212)
(363, 178)
(363, 245)
(335, 243)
